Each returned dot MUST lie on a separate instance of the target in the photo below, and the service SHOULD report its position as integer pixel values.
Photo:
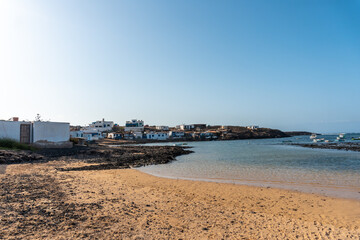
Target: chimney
(15, 119)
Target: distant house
(114, 135)
(157, 135)
(176, 134)
(134, 125)
(92, 134)
(102, 125)
(129, 136)
(38, 132)
(186, 127)
(138, 135)
(191, 126)
(252, 127)
(162, 128)
(76, 134)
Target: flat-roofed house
(134, 125)
(43, 134)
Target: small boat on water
(313, 136)
(355, 138)
(341, 137)
(316, 140)
(180, 144)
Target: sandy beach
(38, 201)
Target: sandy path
(128, 204)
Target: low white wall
(10, 129)
(51, 131)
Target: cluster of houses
(60, 133)
(134, 129)
(137, 130)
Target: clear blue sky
(291, 65)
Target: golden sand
(129, 204)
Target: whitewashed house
(92, 134)
(157, 136)
(16, 130)
(41, 133)
(252, 127)
(128, 136)
(176, 134)
(51, 131)
(162, 128)
(114, 135)
(102, 125)
(134, 125)
(186, 127)
(138, 135)
(76, 134)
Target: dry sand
(37, 201)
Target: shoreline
(351, 193)
(127, 203)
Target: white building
(114, 135)
(191, 126)
(15, 130)
(138, 135)
(92, 134)
(51, 131)
(76, 134)
(185, 127)
(176, 134)
(34, 132)
(157, 135)
(102, 125)
(134, 125)
(162, 128)
(252, 127)
(128, 136)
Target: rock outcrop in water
(101, 157)
(347, 146)
(235, 132)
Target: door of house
(25, 133)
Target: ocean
(269, 163)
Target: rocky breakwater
(100, 157)
(347, 146)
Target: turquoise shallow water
(269, 163)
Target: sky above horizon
(290, 65)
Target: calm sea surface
(269, 163)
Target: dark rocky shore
(101, 157)
(348, 146)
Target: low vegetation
(6, 143)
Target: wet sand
(38, 201)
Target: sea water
(268, 163)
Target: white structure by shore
(35, 132)
(157, 135)
(176, 134)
